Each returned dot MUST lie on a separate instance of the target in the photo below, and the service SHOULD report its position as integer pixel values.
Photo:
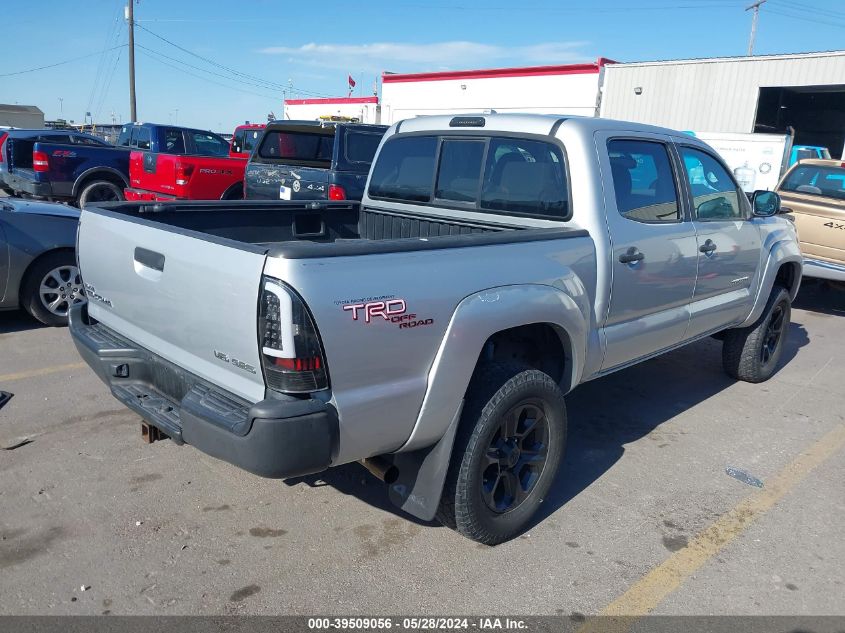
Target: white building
(564, 89)
(362, 109)
(765, 93)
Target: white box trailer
(358, 109)
(562, 89)
(757, 160)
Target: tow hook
(150, 433)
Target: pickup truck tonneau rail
(432, 331)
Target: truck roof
(543, 124)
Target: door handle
(149, 258)
(708, 247)
(631, 256)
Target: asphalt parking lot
(643, 517)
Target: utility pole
(130, 18)
(756, 7)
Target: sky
(213, 65)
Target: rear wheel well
(541, 346)
(235, 192)
(99, 175)
(25, 278)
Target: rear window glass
(141, 138)
(125, 136)
(819, 180)
(361, 147)
(405, 169)
(518, 176)
(208, 144)
(295, 147)
(459, 173)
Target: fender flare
(476, 319)
(94, 171)
(782, 252)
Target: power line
(269, 84)
(799, 6)
(805, 18)
(67, 61)
(146, 54)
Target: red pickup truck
(176, 163)
(245, 139)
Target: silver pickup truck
(431, 331)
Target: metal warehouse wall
(709, 94)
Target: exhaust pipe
(381, 468)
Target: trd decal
(394, 311)
(384, 309)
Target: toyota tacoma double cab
(433, 330)
(312, 160)
(177, 163)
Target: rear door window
(207, 144)
(643, 181)
(173, 140)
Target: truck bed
(303, 230)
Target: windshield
(827, 181)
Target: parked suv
(814, 191)
(312, 160)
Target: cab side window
(715, 195)
(643, 181)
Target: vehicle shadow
(821, 297)
(17, 321)
(603, 416)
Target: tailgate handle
(149, 258)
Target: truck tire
(51, 286)
(507, 451)
(752, 353)
(99, 191)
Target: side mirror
(765, 203)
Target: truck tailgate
(191, 299)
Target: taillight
(183, 172)
(291, 353)
(40, 161)
(3, 138)
(336, 192)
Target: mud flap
(419, 485)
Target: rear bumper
(26, 185)
(143, 195)
(277, 437)
(823, 270)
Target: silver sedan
(37, 259)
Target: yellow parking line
(645, 594)
(40, 372)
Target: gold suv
(814, 192)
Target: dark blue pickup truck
(312, 160)
(62, 165)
